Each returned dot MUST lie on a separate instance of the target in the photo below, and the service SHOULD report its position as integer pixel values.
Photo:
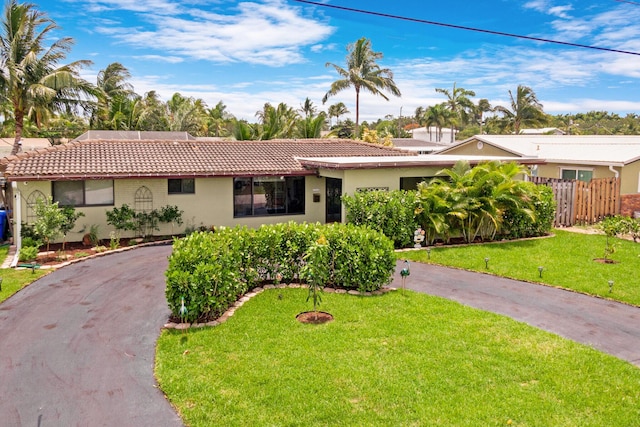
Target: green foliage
(93, 234)
(31, 242)
(613, 226)
(28, 253)
(212, 270)
(473, 202)
(316, 270)
(49, 220)
(122, 219)
(518, 224)
(390, 212)
(70, 216)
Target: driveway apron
(606, 325)
(77, 346)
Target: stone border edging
(99, 254)
(258, 290)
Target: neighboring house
(582, 157)
(214, 183)
(432, 134)
(6, 144)
(417, 145)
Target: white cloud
(160, 58)
(266, 33)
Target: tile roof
(97, 159)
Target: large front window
(263, 196)
(83, 193)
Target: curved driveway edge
(77, 346)
(608, 326)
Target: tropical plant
(218, 120)
(30, 76)
(277, 122)
(459, 104)
(483, 107)
(363, 74)
(186, 114)
(49, 220)
(524, 110)
(122, 219)
(243, 131)
(311, 126)
(114, 93)
(316, 270)
(337, 110)
(437, 116)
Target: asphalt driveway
(77, 347)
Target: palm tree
(29, 73)
(525, 111)
(307, 108)
(483, 107)
(337, 110)
(438, 116)
(153, 113)
(219, 120)
(459, 104)
(277, 122)
(362, 73)
(186, 114)
(310, 126)
(112, 88)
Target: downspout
(17, 222)
(615, 172)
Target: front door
(334, 202)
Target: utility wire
(630, 2)
(461, 27)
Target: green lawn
(567, 260)
(400, 359)
(13, 280)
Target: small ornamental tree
(49, 220)
(171, 214)
(70, 217)
(316, 271)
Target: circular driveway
(77, 346)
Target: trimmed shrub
(212, 270)
(390, 212)
(517, 223)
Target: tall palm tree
(307, 108)
(219, 120)
(30, 77)
(153, 113)
(310, 126)
(459, 104)
(277, 122)
(437, 116)
(112, 88)
(362, 73)
(337, 110)
(186, 114)
(483, 107)
(525, 110)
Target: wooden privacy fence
(583, 203)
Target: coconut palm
(277, 122)
(307, 108)
(459, 104)
(363, 74)
(310, 126)
(153, 113)
(525, 110)
(337, 110)
(186, 114)
(436, 116)
(219, 120)
(30, 77)
(483, 107)
(113, 93)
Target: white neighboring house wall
(432, 135)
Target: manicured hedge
(210, 271)
(391, 212)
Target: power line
(630, 2)
(461, 27)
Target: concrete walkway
(608, 326)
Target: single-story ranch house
(214, 183)
(581, 157)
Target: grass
(13, 280)
(567, 260)
(400, 359)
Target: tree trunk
(17, 142)
(357, 112)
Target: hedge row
(210, 271)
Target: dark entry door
(334, 204)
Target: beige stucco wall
(211, 205)
(471, 149)
(630, 178)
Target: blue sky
(250, 52)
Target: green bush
(517, 223)
(212, 270)
(28, 253)
(390, 212)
